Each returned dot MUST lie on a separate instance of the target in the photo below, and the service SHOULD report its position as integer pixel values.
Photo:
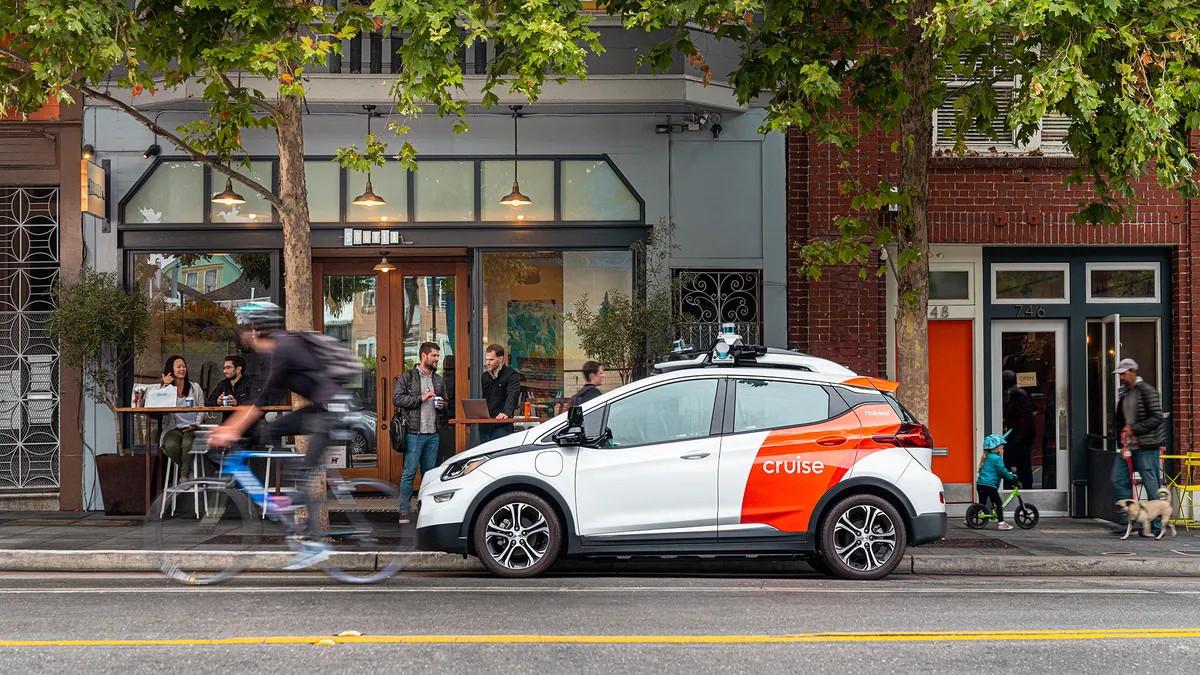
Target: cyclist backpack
(341, 366)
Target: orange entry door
(951, 404)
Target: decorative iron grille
(29, 385)
(712, 298)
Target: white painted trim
(1065, 268)
(1106, 266)
(1059, 328)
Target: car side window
(593, 422)
(774, 404)
(671, 412)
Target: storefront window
(324, 182)
(591, 190)
(172, 194)
(1045, 283)
(537, 183)
(256, 209)
(1123, 282)
(445, 191)
(389, 181)
(526, 297)
(192, 302)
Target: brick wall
(977, 200)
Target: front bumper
(928, 527)
(444, 538)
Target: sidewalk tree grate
(981, 542)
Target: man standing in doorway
(1138, 424)
(1019, 418)
(421, 394)
(501, 389)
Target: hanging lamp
(368, 198)
(384, 265)
(515, 198)
(227, 196)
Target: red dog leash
(1129, 463)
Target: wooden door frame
(390, 343)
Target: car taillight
(907, 436)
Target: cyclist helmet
(993, 441)
(260, 316)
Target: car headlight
(463, 467)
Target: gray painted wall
(727, 197)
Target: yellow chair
(1188, 484)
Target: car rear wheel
(863, 537)
(517, 535)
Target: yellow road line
(931, 636)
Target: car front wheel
(517, 535)
(863, 538)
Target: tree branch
(188, 150)
(260, 103)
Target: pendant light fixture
(368, 198)
(384, 265)
(515, 199)
(227, 196)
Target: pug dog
(1145, 512)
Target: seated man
(236, 389)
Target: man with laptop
(501, 389)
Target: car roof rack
(729, 350)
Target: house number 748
(939, 312)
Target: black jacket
(586, 393)
(502, 391)
(1148, 428)
(245, 391)
(407, 397)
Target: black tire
(229, 522)
(863, 538)
(517, 535)
(1026, 516)
(975, 517)
(818, 564)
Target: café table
(156, 414)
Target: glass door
(354, 308)
(384, 318)
(1029, 399)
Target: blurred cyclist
(293, 366)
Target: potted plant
(626, 332)
(101, 328)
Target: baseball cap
(1124, 365)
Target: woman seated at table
(176, 442)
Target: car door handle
(831, 441)
(695, 455)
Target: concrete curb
(145, 561)
(1029, 566)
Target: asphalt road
(697, 624)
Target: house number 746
(1031, 310)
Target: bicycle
(1026, 515)
(233, 517)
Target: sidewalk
(1058, 546)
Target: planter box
(122, 484)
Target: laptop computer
(475, 409)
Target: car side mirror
(573, 433)
(575, 417)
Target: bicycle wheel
(1026, 516)
(368, 544)
(977, 517)
(205, 550)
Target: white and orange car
(740, 450)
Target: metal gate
(29, 386)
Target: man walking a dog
(1138, 424)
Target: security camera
(716, 132)
(703, 119)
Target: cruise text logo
(792, 466)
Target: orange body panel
(793, 470)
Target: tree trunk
(916, 139)
(297, 242)
(120, 446)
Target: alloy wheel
(864, 538)
(517, 535)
